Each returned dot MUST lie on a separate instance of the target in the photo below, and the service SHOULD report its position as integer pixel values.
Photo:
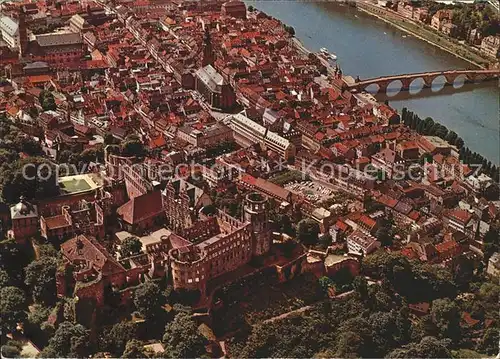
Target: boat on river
(324, 51)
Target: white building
(9, 29)
(248, 132)
(359, 242)
(494, 265)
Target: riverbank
(423, 34)
(368, 48)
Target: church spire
(208, 51)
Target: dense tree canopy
(133, 146)
(130, 246)
(307, 231)
(182, 338)
(41, 278)
(12, 308)
(70, 340)
(148, 299)
(115, 339)
(33, 177)
(134, 349)
(446, 316)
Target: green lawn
(74, 185)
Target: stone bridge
(469, 76)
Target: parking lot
(314, 192)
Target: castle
(220, 244)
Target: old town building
(491, 46)
(234, 8)
(24, 217)
(212, 86)
(87, 219)
(247, 132)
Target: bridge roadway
(428, 78)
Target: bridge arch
(373, 88)
(438, 83)
(416, 85)
(394, 87)
(459, 81)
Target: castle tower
(256, 207)
(208, 51)
(23, 34)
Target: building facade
(248, 132)
(9, 29)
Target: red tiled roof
(342, 225)
(461, 215)
(157, 142)
(142, 207)
(56, 222)
(39, 78)
(370, 223)
(446, 246)
(82, 248)
(466, 317)
(387, 201)
(409, 253)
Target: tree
(290, 30)
(428, 347)
(251, 8)
(326, 283)
(130, 246)
(12, 261)
(463, 271)
(489, 342)
(108, 138)
(491, 243)
(360, 285)
(41, 278)
(307, 231)
(12, 308)
(134, 349)
(47, 101)
(148, 300)
(33, 177)
(27, 145)
(355, 339)
(70, 340)
(116, 339)
(384, 330)
(182, 338)
(446, 316)
(384, 236)
(325, 240)
(4, 278)
(451, 137)
(36, 326)
(133, 146)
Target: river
(368, 47)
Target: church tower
(256, 207)
(23, 34)
(208, 51)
